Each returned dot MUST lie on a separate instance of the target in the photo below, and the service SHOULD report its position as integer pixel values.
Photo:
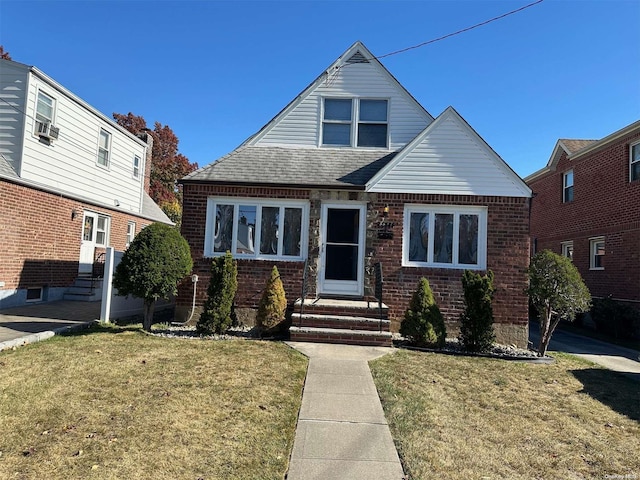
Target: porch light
(385, 212)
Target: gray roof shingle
(330, 167)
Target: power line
(459, 31)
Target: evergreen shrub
(476, 321)
(218, 313)
(423, 323)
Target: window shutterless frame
(634, 162)
(45, 110)
(567, 249)
(349, 122)
(104, 148)
(445, 236)
(596, 253)
(257, 228)
(567, 186)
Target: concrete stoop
(85, 289)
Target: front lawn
(117, 403)
(476, 418)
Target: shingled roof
(309, 167)
(574, 145)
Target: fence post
(107, 286)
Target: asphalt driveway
(613, 357)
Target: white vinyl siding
(75, 154)
(443, 236)
(301, 125)
(449, 158)
(13, 94)
(257, 228)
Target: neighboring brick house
(72, 182)
(355, 172)
(586, 206)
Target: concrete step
(340, 335)
(341, 307)
(83, 297)
(343, 322)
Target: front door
(94, 233)
(342, 254)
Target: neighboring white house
(72, 182)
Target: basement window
(34, 294)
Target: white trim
(212, 202)
(33, 300)
(565, 247)
(342, 287)
(108, 149)
(456, 210)
(593, 241)
(131, 234)
(565, 187)
(134, 175)
(354, 122)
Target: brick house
(72, 182)
(586, 206)
(352, 173)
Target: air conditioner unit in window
(46, 130)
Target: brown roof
(575, 145)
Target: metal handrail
(305, 287)
(379, 283)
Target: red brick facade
(507, 253)
(605, 204)
(40, 237)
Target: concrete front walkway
(342, 432)
(32, 323)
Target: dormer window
(355, 122)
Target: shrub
(157, 259)
(423, 323)
(615, 318)
(476, 322)
(218, 313)
(273, 303)
(555, 288)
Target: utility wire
(459, 31)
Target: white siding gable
(449, 157)
(298, 125)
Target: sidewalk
(342, 431)
(33, 323)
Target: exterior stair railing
(379, 284)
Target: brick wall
(40, 239)
(605, 204)
(507, 252)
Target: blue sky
(218, 71)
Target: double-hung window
(102, 231)
(445, 236)
(567, 250)
(596, 248)
(136, 166)
(358, 122)
(567, 186)
(44, 108)
(131, 232)
(257, 228)
(634, 163)
(104, 148)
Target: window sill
(596, 268)
(272, 258)
(445, 266)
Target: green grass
(117, 403)
(475, 418)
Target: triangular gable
(449, 157)
(355, 73)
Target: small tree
(217, 315)
(423, 323)
(273, 303)
(476, 322)
(157, 259)
(557, 291)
